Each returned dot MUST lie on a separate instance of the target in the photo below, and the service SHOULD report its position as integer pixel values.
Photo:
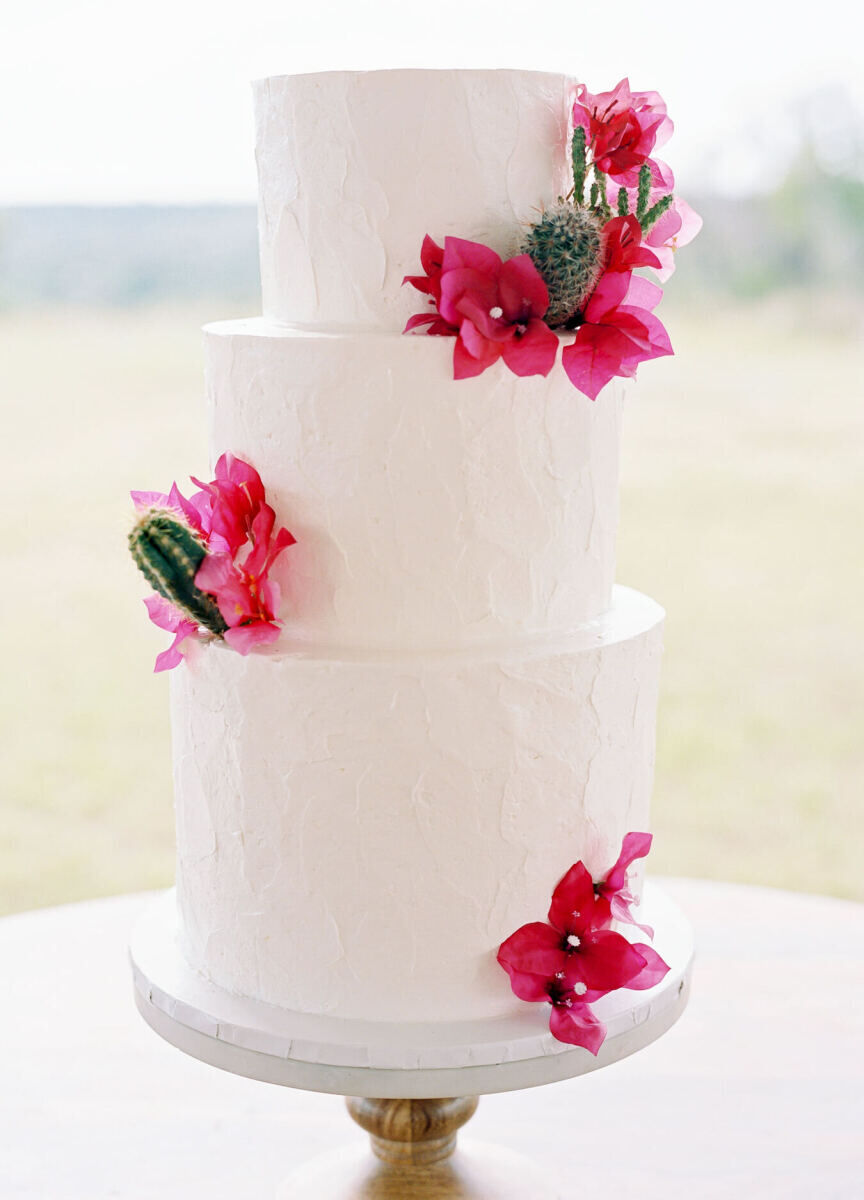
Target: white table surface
(758, 1091)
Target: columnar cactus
(169, 553)
(566, 247)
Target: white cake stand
(397, 1077)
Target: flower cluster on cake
(576, 958)
(209, 558)
(576, 272)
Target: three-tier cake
(461, 704)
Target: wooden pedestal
(415, 1158)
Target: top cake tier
(355, 167)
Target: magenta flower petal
(522, 292)
(642, 293)
(431, 260)
(468, 293)
(572, 906)
(436, 325)
(215, 573)
(260, 532)
(166, 616)
(653, 971)
(620, 909)
(244, 638)
(163, 613)
(534, 949)
(243, 475)
(196, 511)
(624, 248)
(144, 500)
(605, 961)
(532, 988)
(281, 542)
(173, 656)
(577, 1026)
(461, 253)
(634, 845)
(532, 352)
(648, 334)
(608, 294)
(596, 357)
(465, 364)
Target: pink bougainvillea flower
(622, 238)
(498, 308)
(196, 510)
(677, 226)
(571, 945)
(237, 526)
(235, 497)
(573, 960)
(622, 128)
(494, 309)
(246, 596)
(166, 616)
(619, 331)
(431, 259)
(613, 897)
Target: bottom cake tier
(357, 835)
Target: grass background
(742, 509)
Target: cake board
(411, 1086)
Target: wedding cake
(459, 703)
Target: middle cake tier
(427, 512)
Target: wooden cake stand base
(397, 1074)
(414, 1143)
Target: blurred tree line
(807, 233)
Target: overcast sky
(113, 102)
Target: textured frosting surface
(356, 835)
(427, 513)
(355, 167)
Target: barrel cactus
(566, 247)
(168, 553)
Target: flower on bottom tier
(574, 959)
(613, 897)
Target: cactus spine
(566, 247)
(168, 553)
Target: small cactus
(168, 553)
(566, 247)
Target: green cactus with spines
(578, 159)
(566, 247)
(644, 191)
(168, 553)
(656, 212)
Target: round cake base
(383, 1059)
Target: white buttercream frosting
(355, 167)
(357, 836)
(427, 512)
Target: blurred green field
(742, 507)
